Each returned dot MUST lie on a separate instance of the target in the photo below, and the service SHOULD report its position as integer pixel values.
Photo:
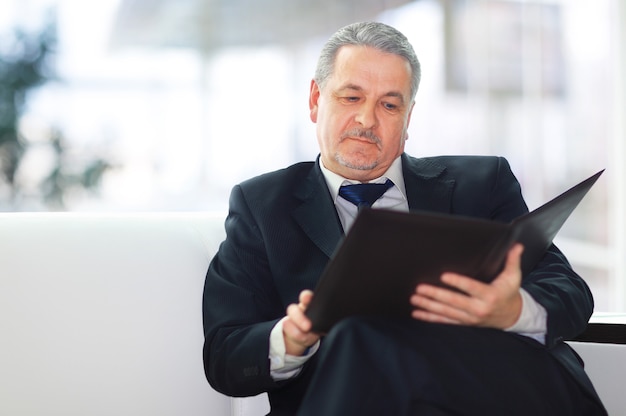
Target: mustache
(363, 133)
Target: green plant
(22, 68)
(26, 64)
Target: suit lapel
(317, 214)
(427, 188)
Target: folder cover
(386, 254)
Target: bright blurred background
(164, 105)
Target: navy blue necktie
(364, 194)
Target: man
(492, 349)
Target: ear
(314, 96)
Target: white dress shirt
(532, 321)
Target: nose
(366, 116)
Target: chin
(357, 163)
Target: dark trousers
(377, 366)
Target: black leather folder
(386, 254)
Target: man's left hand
(495, 305)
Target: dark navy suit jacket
(282, 228)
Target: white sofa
(100, 314)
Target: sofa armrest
(250, 406)
(604, 332)
(603, 349)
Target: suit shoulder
(476, 166)
(275, 188)
(467, 161)
(286, 175)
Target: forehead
(371, 69)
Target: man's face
(363, 112)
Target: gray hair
(372, 34)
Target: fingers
(434, 314)
(305, 298)
(435, 304)
(475, 288)
(497, 304)
(465, 284)
(514, 260)
(297, 327)
(295, 313)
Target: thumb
(512, 267)
(514, 257)
(305, 298)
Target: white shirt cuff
(533, 320)
(282, 365)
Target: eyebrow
(355, 87)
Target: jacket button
(251, 371)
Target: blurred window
(142, 108)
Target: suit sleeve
(239, 308)
(552, 283)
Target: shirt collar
(335, 181)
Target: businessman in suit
(487, 349)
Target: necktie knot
(364, 194)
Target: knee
(359, 331)
(353, 340)
(354, 326)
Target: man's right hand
(297, 327)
